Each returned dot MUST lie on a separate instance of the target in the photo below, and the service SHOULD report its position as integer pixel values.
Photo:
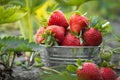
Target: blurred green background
(37, 12)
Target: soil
(20, 73)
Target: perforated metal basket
(62, 55)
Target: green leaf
(104, 64)
(72, 68)
(102, 25)
(79, 62)
(35, 4)
(22, 47)
(94, 21)
(73, 2)
(11, 43)
(62, 76)
(32, 4)
(10, 13)
(49, 38)
(117, 37)
(18, 63)
(4, 58)
(3, 2)
(37, 59)
(21, 3)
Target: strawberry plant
(26, 23)
(80, 71)
(63, 75)
(10, 13)
(9, 48)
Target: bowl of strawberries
(63, 42)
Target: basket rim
(71, 46)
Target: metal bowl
(62, 55)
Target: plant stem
(23, 27)
(8, 60)
(77, 7)
(3, 65)
(115, 50)
(30, 29)
(50, 69)
(12, 62)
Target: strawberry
(57, 31)
(71, 40)
(78, 23)
(89, 71)
(39, 33)
(58, 18)
(108, 73)
(92, 37)
(106, 55)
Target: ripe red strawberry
(57, 31)
(39, 33)
(89, 71)
(58, 18)
(92, 37)
(71, 40)
(108, 73)
(78, 23)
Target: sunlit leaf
(72, 68)
(21, 3)
(37, 59)
(94, 21)
(32, 4)
(10, 14)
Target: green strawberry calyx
(107, 64)
(102, 25)
(49, 39)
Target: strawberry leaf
(62, 76)
(10, 13)
(104, 64)
(49, 39)
(79, 62)
(117, 37)
(72, 68)
(94, 21)
(17, 44)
